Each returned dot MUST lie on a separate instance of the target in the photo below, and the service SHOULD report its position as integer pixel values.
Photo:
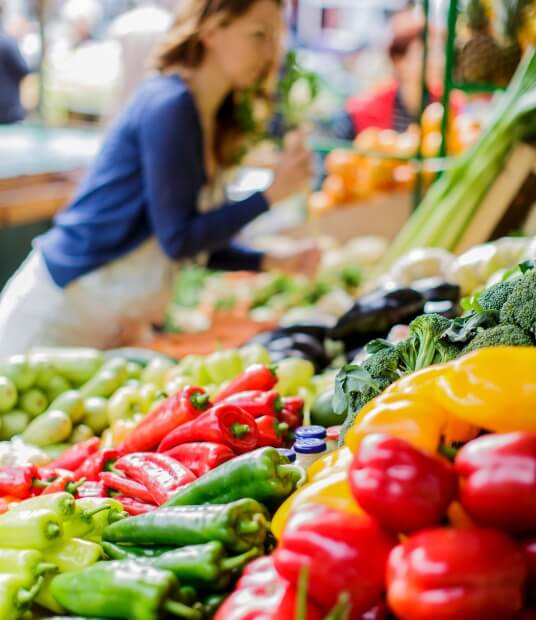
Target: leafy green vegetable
(466, 327)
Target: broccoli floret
(426, 331)
(407, 354)
(495, 297)
(520, 307)
(446, 351)
(383, 364)
(366, 395)
(500, 335)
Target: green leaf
(527, 265)
(350, 381)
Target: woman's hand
(294, 170)
(304, 259)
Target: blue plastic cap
(310, 432)
(310, 446)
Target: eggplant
(373, 315)
(437, 289)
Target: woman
(107, 265)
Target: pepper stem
(229, 564)
(248, 527)
(40, 484)
(118, 516)
(449, 451)
(25, 597)
(199, 401)
(240, 430)
(288, 471)
(278, 404)
(45, 567)
(52, 530)
(341, 611)
(72, 487)
(91, 513)
(301, 596)
(181, 610)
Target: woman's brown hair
(183, 48)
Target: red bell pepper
(4, 506)
(378, 612)
(402, 487)
(257, 377)
(344, 553)
(529, 547)
(133, 506)
(262, 594)
(178, 409)
(224, 423)
(258, 403)
(95, 464)
(201, 456)
(456, 574)
(17, 480)
(271, 431)
(126, 486)
(499, 481)
(161, 475)
(75, 456)
(92, 489)
(292, 412)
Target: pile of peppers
(441, 469)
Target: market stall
(357, 445)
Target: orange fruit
(342, 163)
(431, 144)
(432, 118)
(367, 140)
(404, 176)
(387, 142)
(320, 202)
(407, 144)
(335, 187)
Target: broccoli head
(383, 364)
(495, 297)
(520, 307)
(426, 332)
(501, 335)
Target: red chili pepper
(75, 456)
(378, 612)
(256, 377)
(126, 486)
(17, 480)
(92, 489)
(224, 423)
(402, 487)
(64, 482)
(95, 464)
(258, 403)
(292, 413)
(499, 481)
(262, 594)
(529, 547)
(200, 457)
(4, 506)
(178, 409)
(344, 553)
(271, 431)
(456, 574)
(133, 506)
(161, 475)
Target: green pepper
(96, 414)
(29, 529)
(18, 369)
(61, 504)
(72, 403)
(155, 372)
(109, 378)
(197, 565)
(45, 598)
(211, 604)
(73, 554)
(254, 354)
(264, 475)
(121, 589)
(124, 404)
(131, 552)
(322, 411)
(56, 386)
(194, 366)
(81, 433)
(293, 373)
(223, 365)
(55, 450)
(34, 402)
(13, 423)
(15, 599)
(101, 518)
(50, 427)
(76, 365)
(27, 564)
(238, 526)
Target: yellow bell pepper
(492, 388)
(424, 383)
(408, 416)
(333, 491)
(338, 460)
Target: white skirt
(102, 309)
